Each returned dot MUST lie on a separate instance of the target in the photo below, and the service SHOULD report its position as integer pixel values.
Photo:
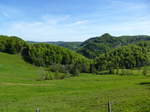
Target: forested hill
(41, 54)
(93, 47)
(70, 45)
(134, 51)
(125, 57)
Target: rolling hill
(70, 45)
(21, 92)
(93, 47)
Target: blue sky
(73, 20)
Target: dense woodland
(96, 54)
(125, 57)
(93, 47)
(57, 58)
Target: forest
(93, 47)
(92, 56)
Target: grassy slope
(14, 69)
(20, 92)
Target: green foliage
(63, 60)
(59, 68)
(43, 54)
(99, 45)
(73, 69)
(46, 54)
(46, 75)
(69, 45)
(12, 45)
(92, 68)
(127, 72)
(124, 57)
(145, 71)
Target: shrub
(58, 68)
(74, 70)
(144, 72)
(45, 75)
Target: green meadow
(21, 92)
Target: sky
(73, 20)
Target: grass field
(20, 92)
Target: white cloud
(80, 22)
(63, 29)
(47, 29)
(139, 26)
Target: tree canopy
(129, 56)
(96, 46)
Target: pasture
(21, 92)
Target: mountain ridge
(95, 46)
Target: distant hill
(93, 47)
(69, 45)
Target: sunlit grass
(21, 92)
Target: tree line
(93, 47)
(47, 55)
(125, 57)
(63, 60)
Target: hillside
(21, 92)
(125, 57)
(70, 45)
(14, 69)
(103, 50)
(93, 47)
(44, 54)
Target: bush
(47, 75)
(58, 68)
(144, 72)
(74, 70)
